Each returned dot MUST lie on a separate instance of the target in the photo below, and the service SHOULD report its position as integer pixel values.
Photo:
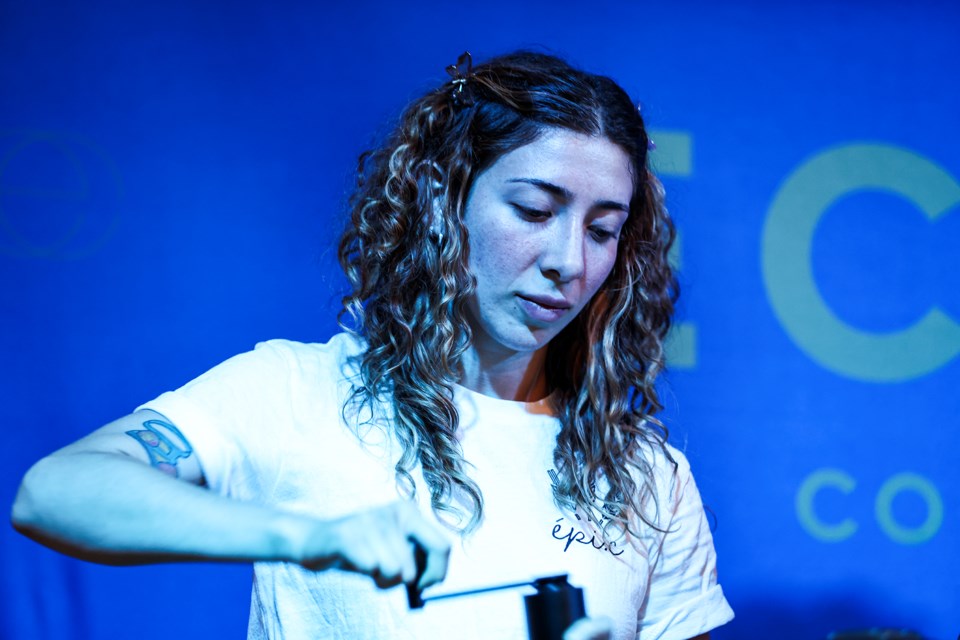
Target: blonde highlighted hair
(405, 253)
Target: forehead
(591, 167)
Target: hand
(589, 629)
(378, 543)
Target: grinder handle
(414, 595)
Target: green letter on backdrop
(788, 273)
(807, 515)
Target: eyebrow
(566, 194)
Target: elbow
(37, 505)
(26, 513)
(20, 516)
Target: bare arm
(131, 493)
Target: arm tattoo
(163, 451)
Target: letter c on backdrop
(787, 267)
(823, 531)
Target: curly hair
(405, 253)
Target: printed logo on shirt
(570, 532)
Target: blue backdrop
(172, 178)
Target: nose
(562, 258)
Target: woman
(507, 252)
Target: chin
(527, 339)
(494, 334)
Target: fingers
(377, 543)
(599, 628)
(390, 562)
(431, 539)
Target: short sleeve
(684, 599)
(233, 416)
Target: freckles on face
(543, 222)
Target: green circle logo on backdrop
(59, 195)
(807, 194)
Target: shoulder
(676, 461)
(341, 346)
(310, 357)
(670, 466)
(275, 369)
(670, 489)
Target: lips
(543, 308)
(548, 302)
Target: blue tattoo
(163, 452)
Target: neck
(514, 376)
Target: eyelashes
(598, 232)
(532, 213)
(603, 235)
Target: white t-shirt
(268, 426)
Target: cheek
(600, 267)
(497, 252)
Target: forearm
(110, 508)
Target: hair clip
(460, 72)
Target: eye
(601, 234)
(531, 213)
